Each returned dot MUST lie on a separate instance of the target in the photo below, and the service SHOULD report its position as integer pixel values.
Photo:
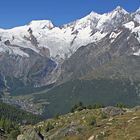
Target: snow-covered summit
(63, 41)
(138, 10)
(41, 24)
(120, 10)
(136, 15)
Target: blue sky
(19, 12)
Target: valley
(46, 70)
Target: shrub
(103, 115)
(78, 107)
(49, 127)
(13, 135)
(120, 105)
(96, 106)
(92, 121)
(56, 116)
(89, 107)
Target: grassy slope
(120, 127)
(107, 92)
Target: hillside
(46, 69)
(17, 115)
(127, 67)
(108, 123)
(11, 118)
(104, 91)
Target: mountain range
(98, 54)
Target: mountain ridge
(80, 60)
(46, 23)
(36, 53)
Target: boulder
(136, 108)
(30, 134)
(112, 111)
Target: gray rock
(112, 111)
(95, 55)
(34, 70)
(29, 134)
(67, 131)
(136, 108)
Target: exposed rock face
(112, 111)
(93, 56)
(64, 132)
(2, 84)
(2, 134)
(29, 134)
(32, 70)
(45, 52)
(136, 108)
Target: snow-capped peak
(41, 24)
(137, 15)
(138, 10)
(65, 40)
(93, 15)
(120, 10)
(102, 21)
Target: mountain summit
(95, 59)
(35, 53)
(69, 37)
